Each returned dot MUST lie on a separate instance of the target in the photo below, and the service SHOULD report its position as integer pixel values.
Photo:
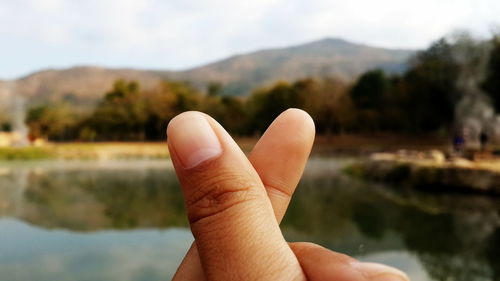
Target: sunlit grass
(87, 151)
(26, 153)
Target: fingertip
(281, 154)
(174, 122)
(376, 271)
(313, 251)
(295, 127)
(192, 139)
(300, 117)
(320, 263)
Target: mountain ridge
(239, 73)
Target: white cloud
(179, 34)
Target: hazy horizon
(40, 34)
(196, 65)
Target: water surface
(126, 221)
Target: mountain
(239, 74)
(84, 83)
(327, 57)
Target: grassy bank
(362, 145)
(26, 153)
(324, 145)
(87, 151)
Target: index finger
(280, 155)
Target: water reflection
(127, 222)
(93, 199)
(31, 253)
(455, 237)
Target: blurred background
(405, 169)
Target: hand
(235, 204)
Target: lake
(126, 221)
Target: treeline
(421, 100)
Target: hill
(239, 74)
(83, 84)
(327, 57)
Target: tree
(121, 114)
(214, 89)
(264, 105)
(56, 122)
(492, 82)
(370, 89)
(431, 87)
(164, 102)
(328, 102)
(368, 96)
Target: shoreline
(435, 175)
(333, 145)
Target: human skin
(235, 203)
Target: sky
(180, 34)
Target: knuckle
(218, 193)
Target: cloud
(180, 34)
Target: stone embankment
(432, 171)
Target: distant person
(459, 143)
(235, 204)
(483, 140)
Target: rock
(382, 156)
(459, 174)
(437, 156)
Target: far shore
(350, 145)
(87, 151)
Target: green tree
(431, 87)
(5, 123)
(234, 118)
(264, 105)
(368, 96)
(214, 89)
(164, 102)
(492, 82)
(369, 91)
(328, 102)
(121, 114)
(57, 122)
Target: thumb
(320, 263)
(230, 215)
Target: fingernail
(193, 139)
(378, 272)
